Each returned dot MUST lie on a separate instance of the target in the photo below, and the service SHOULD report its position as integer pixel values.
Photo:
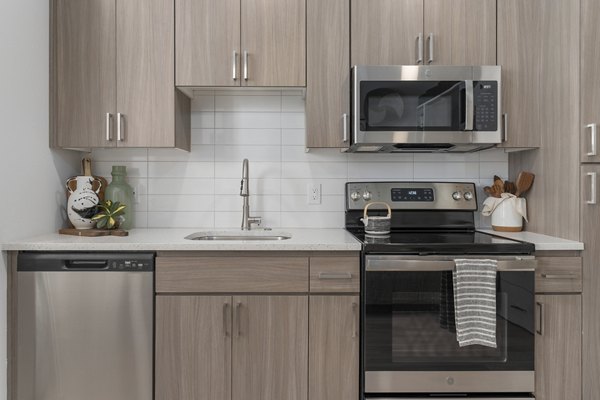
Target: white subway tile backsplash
(314, 170)
(181, 186)
(180, 203)
(248, 137)
(170, 219)
(200, 189)
(248, 103)
(254, 153)
(256, 120)
(258, 170)
(380, 171)
(181, 169)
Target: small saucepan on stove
(377, 225)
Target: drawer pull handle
(355, 317)
(225, 318)
(334, 275)
(560, 276)
(238, 312)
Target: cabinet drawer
(558, 275)
(335, 274)
(231, 274)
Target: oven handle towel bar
(434, 263)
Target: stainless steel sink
(239, 236)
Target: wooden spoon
(524, 182)
(510, 187)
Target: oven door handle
(393, 265)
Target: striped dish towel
(474, 283)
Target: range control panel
(412, 195)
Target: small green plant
(109, 216)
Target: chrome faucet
(247, 220)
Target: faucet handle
(255, 220)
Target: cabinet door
(590, 215)
(274, 37)
(334, 348)
(385, 32)
(328, 73)
(558, 348)
(193, 348)
(538, 41)
(460, 32)
(83, 72)
(146, 73)
(207, 42)
(270, 348)
(590, 80)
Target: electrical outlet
(313, 191)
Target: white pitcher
(82, 201)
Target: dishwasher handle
(85, 262)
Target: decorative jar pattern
(81, 206)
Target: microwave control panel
(485, 95)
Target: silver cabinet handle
(570, 275)
(540, 320)
(593, 177)
(345, 126)
(119, 135)
(245, 65)
(354, 318)
(226, 318)
(430, 43)
(108, 131)
(234, 77)
(420, 48)
(335, 275)
(593, 131)
(238, 318)
(469, 105)
(505, 126)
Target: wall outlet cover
(313, 191)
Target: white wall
(200, 189)
(31, 175)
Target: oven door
(410, 343)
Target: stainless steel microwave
(397, 108)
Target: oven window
(412, 106)
(409, 324)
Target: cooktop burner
(427, 218)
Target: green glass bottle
(119, 190)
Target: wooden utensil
(510, 187)
(524, 182)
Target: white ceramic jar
(82, 200)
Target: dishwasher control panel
(133, 264)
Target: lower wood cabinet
(223, 347)
(334, 347)
(558, 347)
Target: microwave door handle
(469, 105)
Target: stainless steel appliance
(409, 343)
(425, 108)
(85, 326)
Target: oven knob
(456, 196)
(366, 196)
(355, 196)
(468, 196)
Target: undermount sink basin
(239, 236)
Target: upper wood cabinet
(538, 43)
(112, 75)
(240, 43)
(405, 32)
(590, 81)
(328, 73)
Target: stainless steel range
(409, 342)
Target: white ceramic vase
(82, 201)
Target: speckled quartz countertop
(541, 242)
(174, 240)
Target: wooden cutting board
(93, 232)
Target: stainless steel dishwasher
(85, 326)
